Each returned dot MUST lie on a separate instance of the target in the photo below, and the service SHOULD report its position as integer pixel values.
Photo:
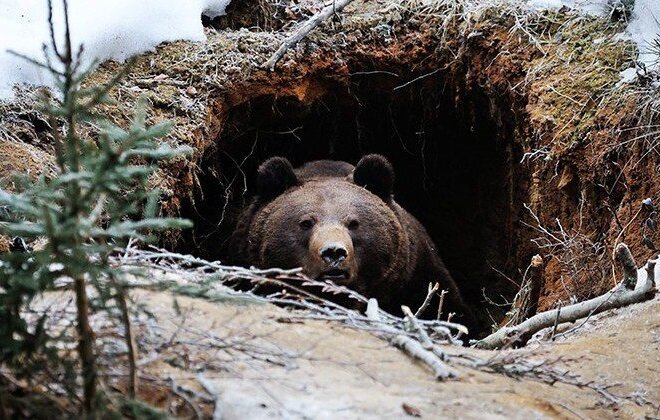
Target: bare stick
(536, 285)
(442, 301)
(619, 236)
(130, 342)
(615, 298)
(432, 289)
(625, 258)
(525, 303)
(85, 345)
(554, 327)
(304, 29)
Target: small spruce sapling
(97, 199)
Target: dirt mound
(513, 125)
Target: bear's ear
(375, 173)
(275, 176)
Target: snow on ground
(592, 7)
(108, 29)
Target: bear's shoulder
(324, 169)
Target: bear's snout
(330, 254)
(333, 253)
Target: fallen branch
(414, 324)
(414, 349)
(304, 29)
(622, 295)
(410, 346)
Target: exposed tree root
(631, 290)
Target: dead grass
(24, 158)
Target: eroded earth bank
(511, 136)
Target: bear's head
(341, 227)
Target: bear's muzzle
(330, 255)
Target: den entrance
(454, 162)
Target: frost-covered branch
(417, 338)
(412, 347)
(433, 288)
(307, 27)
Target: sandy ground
(264, 363)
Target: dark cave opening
(456, 168)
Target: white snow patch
(55, 267)
(114, 29)
(628, 75)
(590, 7)
(644, 27)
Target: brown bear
(341, 223)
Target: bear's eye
(306, 224)
(353, 224)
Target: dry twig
(441, 303)
(432, 289)
(525, 303)
(130, 342)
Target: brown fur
(332, 205)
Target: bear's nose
(333, 253)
